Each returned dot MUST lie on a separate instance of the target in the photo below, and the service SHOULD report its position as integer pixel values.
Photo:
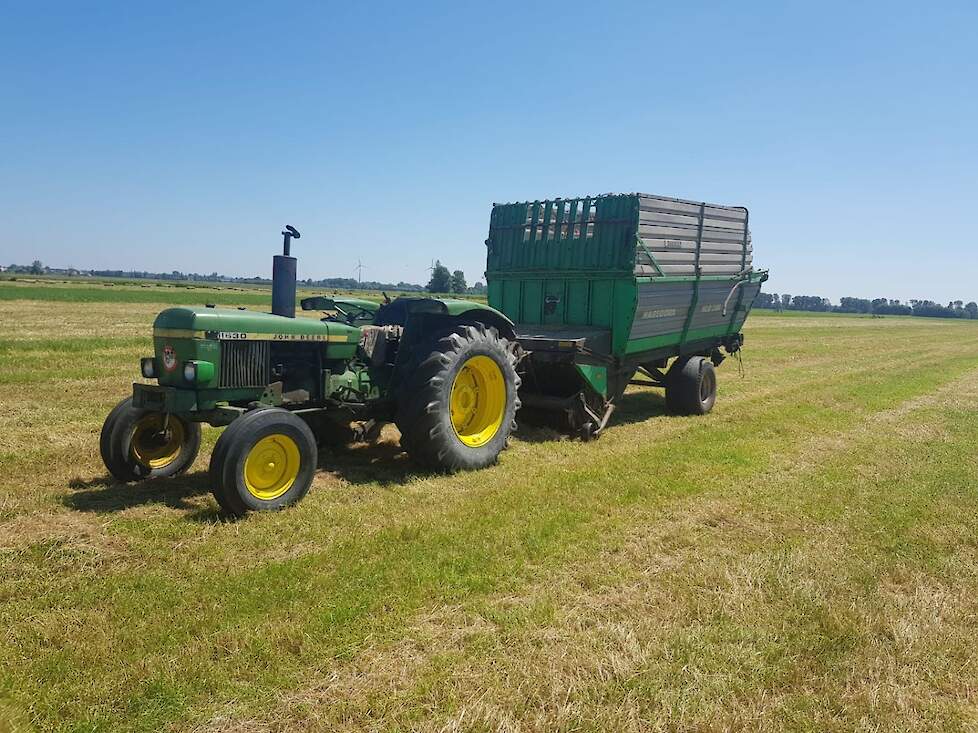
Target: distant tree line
(877, 306)
(445, 281)
(35, 268)
(351, 283)
(39, 268)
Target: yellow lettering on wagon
(661, 313)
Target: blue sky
(184, 135)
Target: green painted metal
(596, 377)
(327, 303)
(696, 282)
(648, 253)
(637, 346)
(195, 334)
(543, 236)
(367, 305)
(184, 400)
(229, 320)
(354, 311)
(172, 351)
(459, 306)
(205, 371)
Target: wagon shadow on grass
(640, 406)
(104, 495)
(635, 407)
(386, 464)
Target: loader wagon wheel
(459, 404)
(137, 444)
(691, 386)
(264, 460)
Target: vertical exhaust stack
(283, 276)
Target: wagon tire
(691, 386)
(264, 460)
(137, 444)
(459, 403)
(587, 432)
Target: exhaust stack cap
(283, 276)
(288, 235)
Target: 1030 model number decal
(244, 336)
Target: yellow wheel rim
(271, 467)
(478, 401)
(154, 447)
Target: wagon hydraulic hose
(726, 301)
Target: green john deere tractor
(443, 370)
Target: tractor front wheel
(138, 444)
(459, 404)
(263, 460)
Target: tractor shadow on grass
(384, 463)
(105, 495)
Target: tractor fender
(456, 310)
(490, 318)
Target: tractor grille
(245, 363)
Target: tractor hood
(232, 324)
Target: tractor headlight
(198, 372)
(190, 372)
(147, 365)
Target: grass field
(804, 558)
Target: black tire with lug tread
(115, 467)
(587, 432)
(691, 387)
(134, 444)
(264, 460)
(459, 403)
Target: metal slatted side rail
(694, 301)
(592, 232)
(739, 307)
(245, 363)
(685, 238)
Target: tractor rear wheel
(138, 444)
(263, 460)
(459, 404)
(691, 386)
